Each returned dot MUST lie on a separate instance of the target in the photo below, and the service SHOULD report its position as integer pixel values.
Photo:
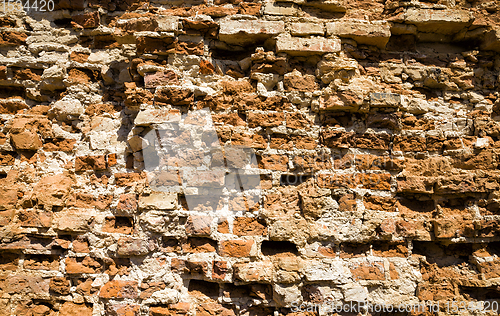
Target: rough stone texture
(238, 157)
(363, 32)
(306, 46)
(248, 31)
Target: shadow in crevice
(443, 256)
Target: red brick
(87, 265)
(134, 246)
(274, 162)
(68, 309)
(24, 284)
(368, 271)
(7, 21)
(111, 160)
(378, 203)
(26, 140)
(34, 218)
(84, 287)
(279, 141)
(453, 227)
(212, 309)
(374, 181)
(268, 119)
(335, 139)
(61, 144)
(178, 309)
(12, 38)
(79, 57)
(297, 121)
(415, 184)
(27, 74)
(393, 273)
(283, 203)
(223, 227)
(119, 224)
(334, 181)
(160, 79)
(328, 252)
(256, 141)
(436, 292)
(219, 12)
(127, 203)
(409, 143)
(304, 142)
(246, 226)
(199, 226)
(490, 269)
(6, 216)
(148, 289)
(30, 308)
(87, 20)
(219, 270)
(80, 245)
(168, 46)
(189, 267)
(368, 162)
(119, 289)
(379, 141)
(53, 190)
(312, 163)
(386, 249)
(236, 248)
(296, 81)
(129, 179)
(137, 25)
(488, 228)
(83, 163)
(123, 310)
(206, 67)
(208, 28)
(60, 285)
(80, 76)
(412, 123)
(229, 119)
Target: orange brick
(236, 248)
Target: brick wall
(228, 157)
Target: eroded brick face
(241, 157)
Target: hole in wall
(294, 179)
(353, 250)
(170, 244)
(63, 22)
(278, 248)
(481, 294)
(119, 224)
(209, 289)
(11, 92)
(443, 256)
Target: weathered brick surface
(233, 157)
(119, 289)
